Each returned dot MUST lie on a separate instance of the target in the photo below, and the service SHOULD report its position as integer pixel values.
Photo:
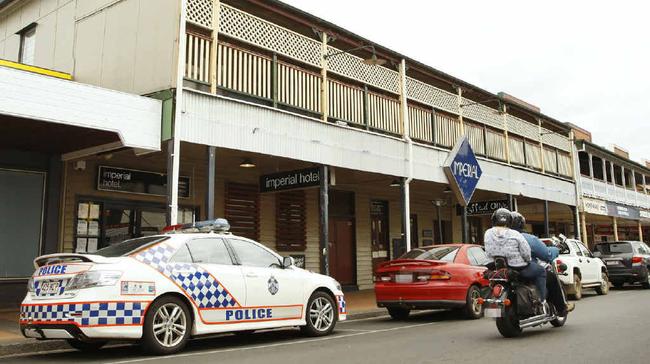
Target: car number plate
(613, 262)
(492, 312)
(50, 287)
(403, 278)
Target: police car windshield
(127, 246)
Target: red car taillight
(637, 260)
(433, 275)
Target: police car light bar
(217, 225)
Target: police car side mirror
(287, 262)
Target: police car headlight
(95, 278)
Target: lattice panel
(556, 140)
(262, 33)
(522, 127)
(482, 114)
(353, 67)
(430, 95)
(200, 12)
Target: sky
(584, 62)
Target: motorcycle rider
(547, 254)
(502, 241)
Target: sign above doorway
(291, 180)
(484, 207)
(462, 170)
(135, 181)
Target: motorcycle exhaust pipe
(535, 321)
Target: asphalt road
(602, 329)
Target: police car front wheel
(321, 315)
(167, 326)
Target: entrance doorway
(379, 232)
(342, 241)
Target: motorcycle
(516, 304)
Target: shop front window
(101, 224)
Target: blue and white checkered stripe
(341, 302)
(86, 314)
(38, 284)
(203, 288)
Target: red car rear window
(444, 253)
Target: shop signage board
(136, 181)
(463, 170)
(484, 207)
(606, 208)
(596, 207)
(290, 180)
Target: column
(324, 221)
(547, 229)
(591, 165)
(465, 225)
(583, 220)
(505, 132)
(406, 214)
(212, 176)
(541, 145)
(459, 93)
(640, 230)
(615, 222)
(324, 93)
(213, 50)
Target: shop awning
(39, 111)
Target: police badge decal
(274, 286)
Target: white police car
(164, 289)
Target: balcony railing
(258, 59)
(609, 192)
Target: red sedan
(438, 276)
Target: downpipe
(409, 143)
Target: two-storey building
(320, 143)
(613, 193)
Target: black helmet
(518, 221)
(501, 217)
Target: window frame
(31, 28)
(237, 260)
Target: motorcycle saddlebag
(527, 300)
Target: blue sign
(463, 171)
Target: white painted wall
(126, 45)
(232, 124)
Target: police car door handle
(251, 275)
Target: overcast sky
(585, 62)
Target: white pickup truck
(583, 269)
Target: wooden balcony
(260, 61)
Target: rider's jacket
(539, 250)
(504, 242)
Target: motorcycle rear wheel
(508, 325)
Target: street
(602, 329)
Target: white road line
(273, 345)
(352, 330)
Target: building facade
(319, 143)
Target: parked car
(164, 289)
(627, 261)
(584, 270)
(430, 277)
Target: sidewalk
(360, 304)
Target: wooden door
(342, 250)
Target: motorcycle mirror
(562, 267)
